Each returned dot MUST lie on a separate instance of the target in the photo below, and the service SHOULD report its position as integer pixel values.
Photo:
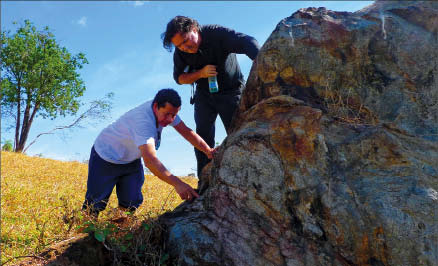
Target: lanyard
(158, 141)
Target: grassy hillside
(41, 200)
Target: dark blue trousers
(103, 176)
(207, 107)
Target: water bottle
(212, 84)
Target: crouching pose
(115, 155)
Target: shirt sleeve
(142, 129)
(176, 121)
(178, 66)
(144, 135)
(237, 42)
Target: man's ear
(155, 107)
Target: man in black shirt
(203, 52)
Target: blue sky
(121, 40)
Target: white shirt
(118, 143)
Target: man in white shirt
(115, 155)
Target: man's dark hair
(164, 96)
(178, 24)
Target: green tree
(39, 78)
(7, 146)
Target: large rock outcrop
(333, 158)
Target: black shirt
(218, 47)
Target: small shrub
(8, 146)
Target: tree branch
(98, 110)
(25, 256)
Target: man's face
(165, 115)
(187, 42)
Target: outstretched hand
(211, 152)
(185, 191)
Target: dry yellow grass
(39, 198)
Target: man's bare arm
(194, 139)
(152, 162)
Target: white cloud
(135, 3)
(82, 21)
(138, 3)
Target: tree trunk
(17, 126)
(23, 138)
(26, 127)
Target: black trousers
(207, 107)
(103, 176)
